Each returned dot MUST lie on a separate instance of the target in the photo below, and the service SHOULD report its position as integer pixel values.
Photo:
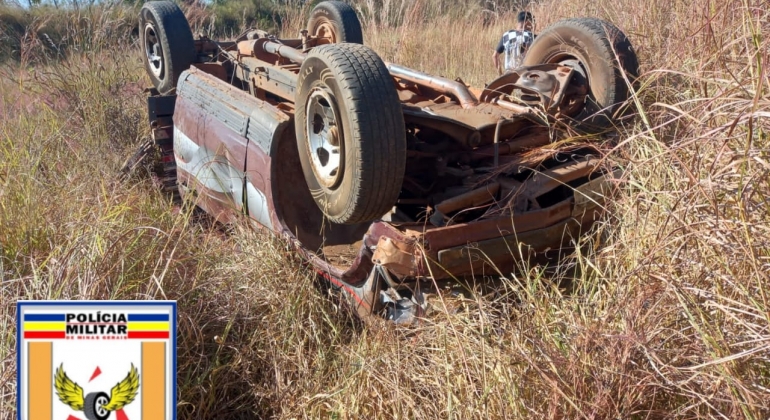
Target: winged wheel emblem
(96, 405)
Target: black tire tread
(174, 31)
(610, 40)
(345, 15)
(603, 32)
(374, 109)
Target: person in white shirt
(515, 44)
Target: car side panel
(216, 126)
(266, 127)
(209, 154)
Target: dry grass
(669, 319)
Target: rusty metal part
(500, 252)
(215, 69)
(551, 82)
(462, 233)
(521, 109)
(398, 256)
(440, 84)
(278, 80)
(519, 197)
(542, 182)
(509, 183)
(462, 124)
(272, 51)
(237, 121)
(516, 145)
(467, 200)
(285, 51)
(472, 198)
(463, 134)
(247, 48)
(549, 85)
(587, 206)
(427, 242)
(538, 80)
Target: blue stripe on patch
(147, 317)
(43, 317)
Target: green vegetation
(669, 318)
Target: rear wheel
(167, 43)
(350, 133)
(335, 22)
(603, 58)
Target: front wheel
(602, 56)
(350, 133)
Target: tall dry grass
(669, 318)
(46, 30)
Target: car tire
(93, 408)
(350, 133)
(603, 56)
(167, 43)
(336, 21)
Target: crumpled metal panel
(398, 257)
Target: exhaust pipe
(440, 84)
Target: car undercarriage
(381, 176)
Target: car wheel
(601, 54)
(350, 132)
(336, 22)
(167, 43)
(94, 406)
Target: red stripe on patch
(121, 415)
(148, 334)
(45, 334)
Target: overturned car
(383, 177)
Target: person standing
(515, 43)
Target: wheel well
(294, 205)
